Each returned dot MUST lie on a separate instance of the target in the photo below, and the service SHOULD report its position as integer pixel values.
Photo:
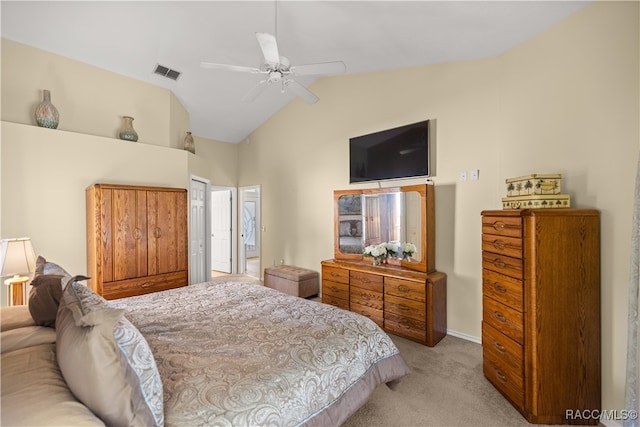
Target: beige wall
(565, 101)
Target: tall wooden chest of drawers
(541, 310)
(403, 302)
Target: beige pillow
(106, 362)
(16, 316)
(44, 298)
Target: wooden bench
(296, 281)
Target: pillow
(14, 317)
(29, 336)
(45, 267)
(44, 298)
(105, 360)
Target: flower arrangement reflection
(381, 252)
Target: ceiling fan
(278, 70)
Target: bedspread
(240, 354)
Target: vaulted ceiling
(132, 38)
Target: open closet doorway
(249, 246)
(223, 231)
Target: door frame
(207, 225)
(234, 225)
(258, 229)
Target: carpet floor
(445, 387)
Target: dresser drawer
(366, 280)
(404, 326)
(504, 289)
(405, 307)
(338, 302)
(509, 246)
(366, 297)
(339, 290)
(505, 349)
(502, 226)
(405, 288)
(335, 274)
(503, 264)
(504, 379)
(506, 320)
(372, 313)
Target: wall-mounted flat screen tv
(401, 152)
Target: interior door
(221, 230)
(197, 232)
(250, 231)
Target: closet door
(128, 218)
(167, 229)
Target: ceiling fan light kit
(278, 69)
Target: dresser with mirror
(406, 297)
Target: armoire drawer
(505, 319)
(405, 289)
(503, 348)
(502, 226)
(503, 264)
(144, 285)
(505, 379)
(504, 289)
(504, 245)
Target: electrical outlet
(463, 175)
(475, 174)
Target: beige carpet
(445, 387)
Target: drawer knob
(146, 285)
(502, 377)
(499, 244)
(499, 263)
(498, 225)
(500, 288)
(499, 347)
(403, 288)
(499, 316)
(334, 274)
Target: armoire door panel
(129, 234)
(105, 238)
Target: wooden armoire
(541, 311)
(136, 239)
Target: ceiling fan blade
(255, 92)
(240, 68)
(269, 48)
(336, 67)
(302, 91)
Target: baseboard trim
(471, 338)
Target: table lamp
(17, 258)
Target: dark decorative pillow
(44, 299)
(45, 267)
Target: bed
(229, 353)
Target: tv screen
(401, 152)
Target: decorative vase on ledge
(127, 132)
(189, 144)
(46, 113)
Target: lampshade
(16, 257)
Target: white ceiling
(131, 38)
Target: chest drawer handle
(499, 263)
(334, 274)
(499, 244)
(499, 347)
(403, 288)
(502, 377)
(146, 285)
(498, 225)
(500, 316)
(500, 288)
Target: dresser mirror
(373, 216)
